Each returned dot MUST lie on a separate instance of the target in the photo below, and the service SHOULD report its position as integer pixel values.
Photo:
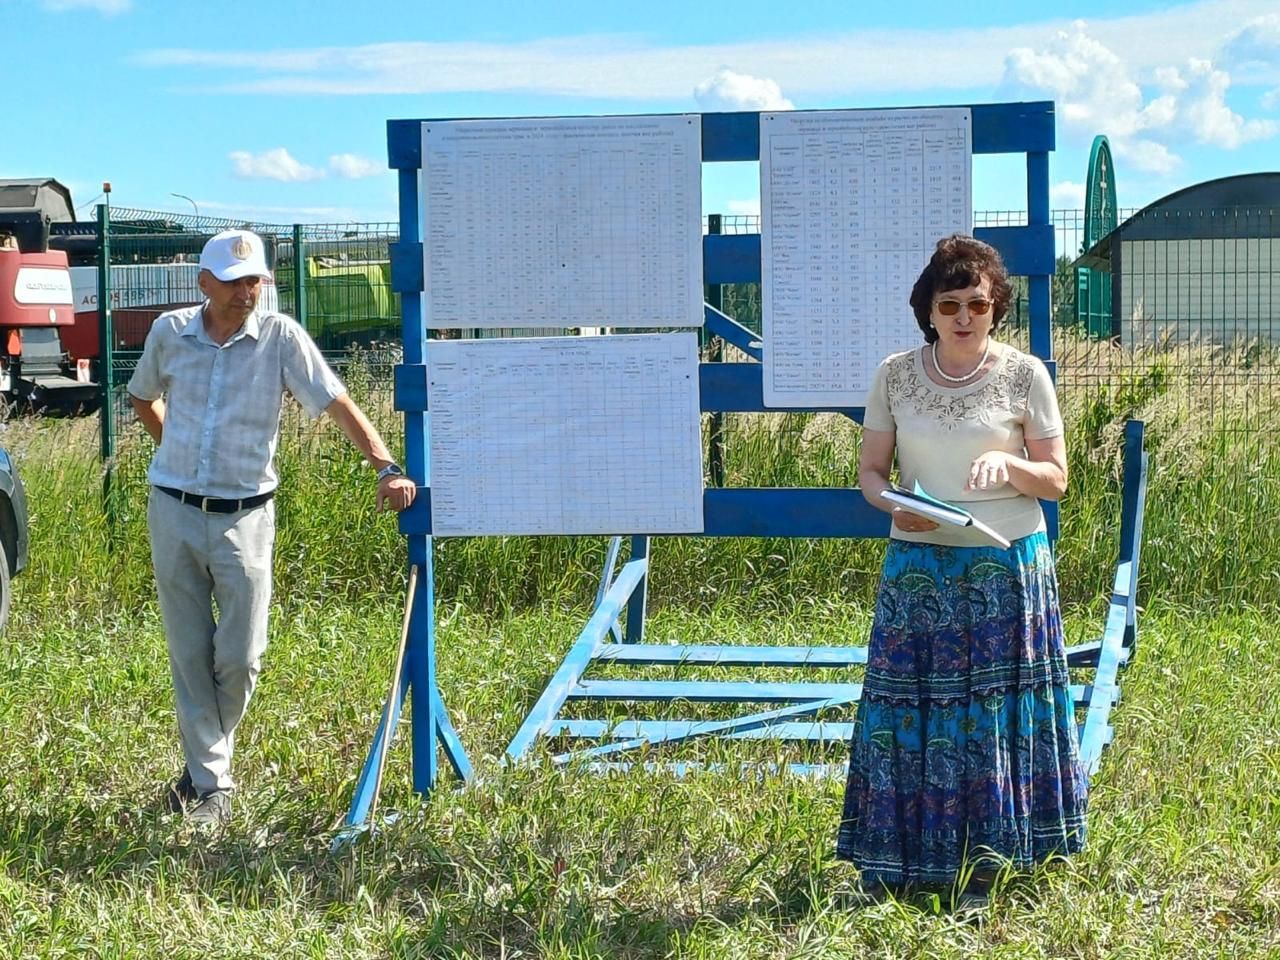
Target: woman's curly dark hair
(960, 261)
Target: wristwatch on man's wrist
(392, 469)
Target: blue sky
(276, 111)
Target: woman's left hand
(989, 471)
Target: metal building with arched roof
(1201, 264)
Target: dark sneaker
(182, 794)
(213, 808)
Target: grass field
(1183, 860)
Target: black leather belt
(216, 504)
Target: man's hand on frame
(395, 493)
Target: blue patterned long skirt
(965, 743)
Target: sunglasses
(977, 307)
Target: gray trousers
(201, 559)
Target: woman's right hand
(909, 522)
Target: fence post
(106, 361)
(300, 278)
(715, 433)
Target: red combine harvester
(37, 303)
(155, 269)
(49, 292)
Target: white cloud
(1097, 91)
(1168, 78)
(1093, 87)
(1253, 53)
(352, 166)
(275, 164)
(1067, 195)
(818, 66)
(108, 8)
(260, 213)
(1270, 100)
(1208, 117)
(1146, 156)
(727, 90)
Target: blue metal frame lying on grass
(615, 633)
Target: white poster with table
(565, 435)
(852, 204)
(562, 222)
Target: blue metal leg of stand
(577, 660)
(449, 740)
(731, 331)
(606, 581)
(363, 797)
(361, 802)
(636, 605)
(1135, 508)
(1120, 632)
(422, 672)
(1096, 732)
(430, 718)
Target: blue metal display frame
(615, 632)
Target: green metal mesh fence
(1191, 333)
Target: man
(209, 388)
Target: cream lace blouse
(940, 431)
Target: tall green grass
(1210, 531)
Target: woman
(964, 755)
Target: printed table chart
(562, 222)
(852, 204)
(565, 435)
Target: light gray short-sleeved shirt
(223, 402)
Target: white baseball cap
(233, 254)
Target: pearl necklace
(950, 379)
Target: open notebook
(919, 502)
